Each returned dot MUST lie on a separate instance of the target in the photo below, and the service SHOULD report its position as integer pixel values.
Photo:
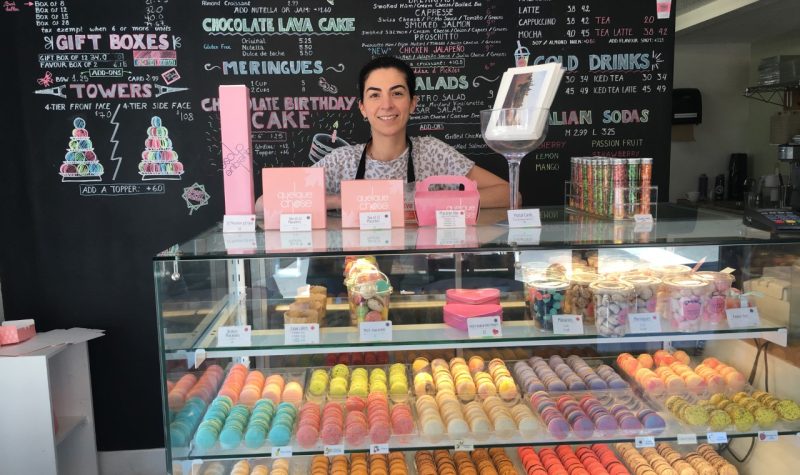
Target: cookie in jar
(721, 286)
(579, 299)
(612, 299)
(545, 298)
(645, 292)
(368, 298)
(686, 298)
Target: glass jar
(579, 299)
(721, 283)
(368, 297)
(545, 298)
(611, 305)
(685, 299)
(645, 292)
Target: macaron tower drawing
(159, 160)
(80, 162)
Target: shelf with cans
(613, 188)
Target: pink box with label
(473, 296)
(457, 314)
(429, 202)
(293, 190)
(237, 161)
(360, 196)
(16, 331)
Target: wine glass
(514, 133)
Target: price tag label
(239, 223)
(643, 218)
(333, 450)
(687, 439)
(768, 435)
(461, 446)
(376, 449)
(524, 218)
(717, 437)
(375, 220)
(742, 317)
(644, 442)
(282, 452)
(485, 327)
(375, 331)
(644, 322)
(295, 222)
(301, 334)
(451, 218)
(239, 335)
(568, 324)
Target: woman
(387, 100)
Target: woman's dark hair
(382, 62)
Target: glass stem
(513, 181)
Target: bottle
(737, 171)
(702, 186)
(719, 188)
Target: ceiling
(735, 21)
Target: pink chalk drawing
(46, 80)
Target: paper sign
(687, 439)
(484, 327)
(239, 223)
(767, 435)
(644, 322)
(461, 446)
(568, 324)
(447, 218)
(717, 437)
(195, 359)
(524, 218)
(742, 317)
(330, 450)
(375, 331)
(294, 222)
(375, 220)
(728, 270)
(643, 218)
(282, 452)
(301, 334)
(376, 449)
(239, 335)
(644, 442)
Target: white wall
(721, 73)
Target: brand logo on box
(297, 190)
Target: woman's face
(387, 102)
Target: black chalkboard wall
(82, 235)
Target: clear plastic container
(611, 306)
(721, 284)
(368, 297)
(645, 291)
(669, 270)
(579, 298)
(685, 299)
(545, 297)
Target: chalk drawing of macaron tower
(80, 162)
(159, 160)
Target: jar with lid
(612, 300)
(545, 298)
(645, 291)
(686, 298)
(579, 298)
(721, 283)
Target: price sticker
(239, 223)
(282, 452)
(768, 435)
(644, 322)
(376, 449)
(687, 439)
(295, 222)
(375, 220)
(717, 437)
(375, 331)
(568, 324)
(451, 218)
(239, 335)
(333, 449)
(485, 327)
(461, 446)
(524, 218)
(644, 442)
(742, 317)
(301, 334)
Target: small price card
(239, 223)
(524, 218)
(295, 222)
(717, 437)
(301, 334)
(687, 439)
(568, 324)
(376, 449)
(767, 435)
(461, 446)
(484, 327)
(282, 452)
(742, 317)
(375, 331)
(239, 335)
(375, 220)
(644, 322)
(329, 450)
(644, 442)
(643, 218)
(451, 218)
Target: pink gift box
(16, 331)
(428, 202)
(293, 190)
(360, 196)
(457, 314)
(473, 296)
(237, 161)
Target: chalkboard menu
(118, 126)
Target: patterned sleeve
(449, 161)
(334, 164)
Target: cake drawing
(80, 162)
(159, 160)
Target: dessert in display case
(577, 345)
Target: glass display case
(277, 346)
